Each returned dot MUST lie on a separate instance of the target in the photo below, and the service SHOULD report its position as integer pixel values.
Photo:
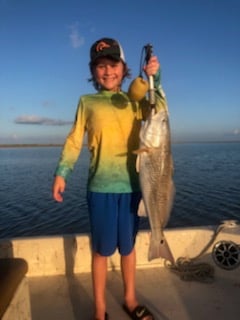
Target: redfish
(155, 167)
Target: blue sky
(44, 59)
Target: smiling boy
(112, 123)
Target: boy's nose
(107, 69)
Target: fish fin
(141, 150)
(142, 212)
(160, 249)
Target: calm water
(207, 178)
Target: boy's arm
(69, 155)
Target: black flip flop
(140, 312)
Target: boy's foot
(139, 313)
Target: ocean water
(207, 179)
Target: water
(207, 178)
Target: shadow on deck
(168, 297)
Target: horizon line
(19, 145)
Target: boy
(112, 123)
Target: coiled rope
(187, 268)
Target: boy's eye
(112, 65)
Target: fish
(155, 167)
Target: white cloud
(14, 136)
(76, 39)
(236, 131)
(36, 120)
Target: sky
(44, 56)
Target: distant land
(30, 145)
(36, 145)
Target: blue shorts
(114, 221)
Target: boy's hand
(58, 188)
(152, 67)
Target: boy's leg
(103, 221)
(128, 264)
(128, 268)
(99, 276)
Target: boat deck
(169, 298)
(60, 280)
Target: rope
(189, 270)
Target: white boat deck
(168, 297)
(60, 280)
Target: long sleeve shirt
(112, 123)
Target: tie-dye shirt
(112, 123)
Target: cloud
(235, 132)
(231, 135)
(14, 136)
(36, 120)
(75, 38)
(48, 103)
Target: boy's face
(109, 74)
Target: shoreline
(36, 145)
(30, 145)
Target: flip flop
(140, 312)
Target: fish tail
(159, 249)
